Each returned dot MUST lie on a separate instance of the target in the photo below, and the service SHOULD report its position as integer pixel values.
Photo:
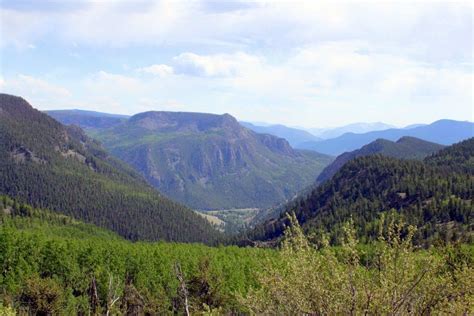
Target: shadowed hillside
(49, 165)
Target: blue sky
(301, 63)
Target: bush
(397, 279)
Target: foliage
(396, 279)
(49, 263)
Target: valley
(232, 221)
(82, 229)
(207, 161)
(237, 157)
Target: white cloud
(107, 82)
(160, 70)
(407, 25)
(30, 86)
(218, 65)
(297, 62)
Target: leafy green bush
(397, 279)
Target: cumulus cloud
(160, 70)
(32, 86)
(218, 65)
(409, 25)
(104, 81)
(296, 62)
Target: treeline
(54, 265)
(50, 166)
(435, 196)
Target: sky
(299, 63)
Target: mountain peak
(165, 121)
(13, 105)
(210, 161)
(406, 147)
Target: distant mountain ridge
(210, 161)
(434, 195)
(445, 132)
(87, 119)
(404, 148)
(49, 165)
(293, 135)
(357, 128)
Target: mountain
(49, 165)
(445, 132)
(293, 135)
(414, 125)
(357, 128)
(210, 161)
(87, 119)
(434, 195)
(404, 148)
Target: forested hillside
(435, 195)
(210, 161)
(54, 265)
(49, 165)
(404, 148)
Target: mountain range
(53, 178)
(445, 132)
(358, 128)
(49, 165)
(433, 195)
(87, 119)
(293, 135)
(404, 148)
(210, 161)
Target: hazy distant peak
(85, 113)
(356, 128)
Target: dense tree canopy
(434, 195)
(49, 165)
(53, 264)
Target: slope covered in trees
(404, 148)
(49, 165)
(210, 161)
(55, 265)
(434, 195)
